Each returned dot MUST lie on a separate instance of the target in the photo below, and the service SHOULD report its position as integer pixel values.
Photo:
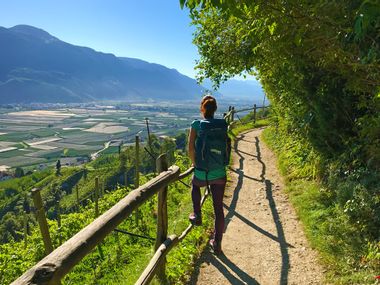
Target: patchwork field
(36, 138)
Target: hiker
(209, 152)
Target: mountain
(38, 67)
(233, 89)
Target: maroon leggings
(217, 191)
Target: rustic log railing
(52, 268)
(229, 116)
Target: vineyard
(121, 256)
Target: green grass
(19, 136)
(13, 153)
(21, 161)
(111, 150)
(53, 154)
(238, 127)
(15, 136)
(343, 248)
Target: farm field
(38, 138)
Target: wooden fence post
(96, 197)
(25, 229)
(263, 111)
(137, 173)
(41, 218)
(162, 217)
(77, 196)
(137, 162)
(148, 130)
(58, 210)
(85, 173)
(229, 115)
(232, 114)
(254, 113)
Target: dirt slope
(264, 242)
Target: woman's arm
(192, 136)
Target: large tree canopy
(319, 63)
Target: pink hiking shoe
(215, 246)
(195, 219)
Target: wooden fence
(230, 115)
(52, 268)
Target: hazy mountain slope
(239, 89)
(38, 67)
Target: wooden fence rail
(251, 109)
(229, 116)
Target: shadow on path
(276, 218)
(258, 155)
(222, 263)
(225, 266)
(257, 228)
(280, 233)
(247, 153)
(240, 172)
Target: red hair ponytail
(208, 106)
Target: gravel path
(264, 242)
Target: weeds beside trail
(338, 212)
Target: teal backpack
(212, 145)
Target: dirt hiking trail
(263, 242)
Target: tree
(19, 172)
(181, 141)
(9, 227)
(318, 61)
(58, 167)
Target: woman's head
(208, 106)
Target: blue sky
(152, 30)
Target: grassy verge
(347, 245)
(243, 125)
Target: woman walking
(209, 153)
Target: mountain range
(236, 89)
(38, 67)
